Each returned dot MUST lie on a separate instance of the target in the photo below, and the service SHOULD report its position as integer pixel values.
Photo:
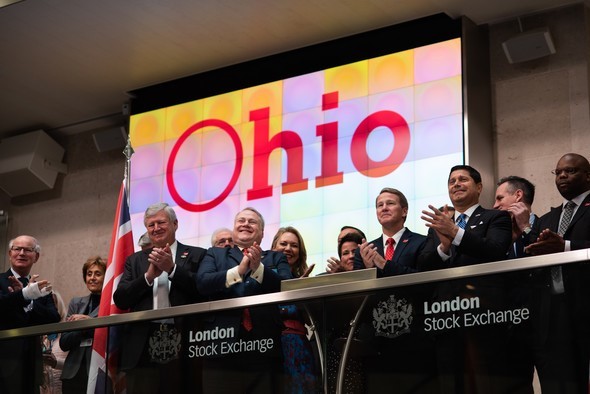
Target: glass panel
(478, 333)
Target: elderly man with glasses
(24, 301)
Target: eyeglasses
(567, 171)
(19, 249)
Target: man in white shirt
(156, 278)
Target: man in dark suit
(157, 278)
(560, 313)
(24, 302)
(241, 271)
(395, 252)
(404, 246)
(515, 195)
(469, 360)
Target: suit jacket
(575, 281)
(212, 274)
(211, 278)
(487, 237)
(404, 258)
(516, 250)
(578, 231)
(135, 294)
(20, 359)
(70, 341)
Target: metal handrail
(293, 296)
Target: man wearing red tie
(241, 271)
(395, 251)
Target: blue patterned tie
(461, 222)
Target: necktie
(556, 275)
(568, 212)
(163, 298)
(24, 280)
(461, 221)
(246, 318)
(389, 250)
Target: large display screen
(310, 151)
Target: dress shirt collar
(16, 275)
(578, 200)
(396, 237)
(468, 213)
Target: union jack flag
(104, 375)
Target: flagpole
(128, 152)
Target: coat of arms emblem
(392, 317)
(164, 344)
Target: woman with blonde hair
(299, 366)
(289, 241)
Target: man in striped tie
(561, 310)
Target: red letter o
(358, 147)
(237, 168)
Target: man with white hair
(157, 278)
(24, 301)
(222, 238)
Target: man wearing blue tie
(469, 359)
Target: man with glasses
(560, 311)
(222, 238)
(252, 360)
(24, 301)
